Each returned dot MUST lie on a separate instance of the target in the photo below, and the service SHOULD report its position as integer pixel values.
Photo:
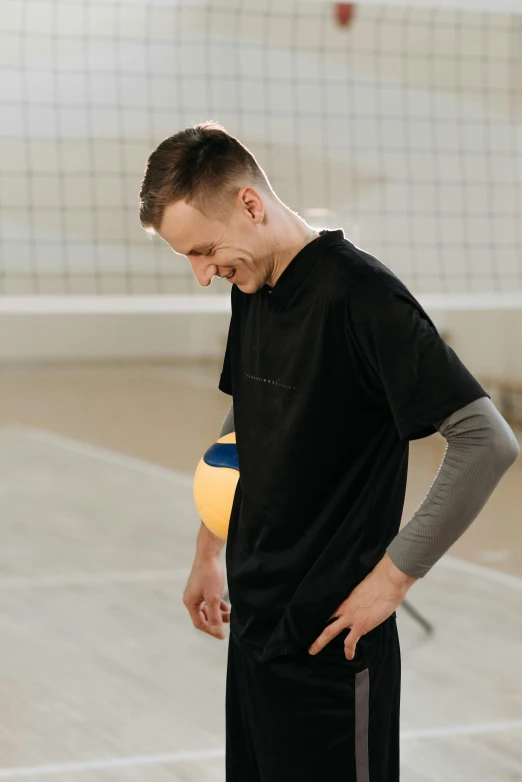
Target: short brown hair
(202, 165)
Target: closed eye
(197, 253)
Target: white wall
(75, 337)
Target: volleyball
(215, 482)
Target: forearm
(481, 448)
(208, 545)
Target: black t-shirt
(332, 372)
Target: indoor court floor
(102, 675)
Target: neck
(298, 235)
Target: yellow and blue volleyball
(215, 482)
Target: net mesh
(404, 129)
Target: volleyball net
(400, 123)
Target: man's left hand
(370, 603)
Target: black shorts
(304, 718)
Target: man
(333, 367)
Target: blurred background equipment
(344, 13)
(400, 123)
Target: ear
(251, 201)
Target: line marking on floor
(94, 579)
(103, 454)
(21, 772)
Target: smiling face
(230, 245)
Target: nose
(203, 272)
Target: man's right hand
(203, 596)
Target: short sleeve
(225, 380)
(423, 379)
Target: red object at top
(344, 13)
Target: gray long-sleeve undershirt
(228, 423)
(480, 449)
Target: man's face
(230, 247)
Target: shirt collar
(297, 270)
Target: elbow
(504, 445)
(514, 451)
(508, 450)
